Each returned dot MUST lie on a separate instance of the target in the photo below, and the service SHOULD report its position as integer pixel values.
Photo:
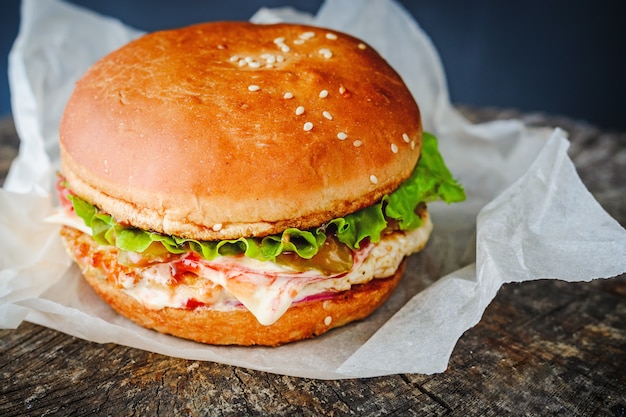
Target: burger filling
(266, 289)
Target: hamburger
(241, 184)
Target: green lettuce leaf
(431, 180)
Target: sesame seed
(288, 95)
(327, 115)
(299, 110)
(412, 144)
(328, 320)
(362, 46)
(234, 58)
(405, 138)
(394, 148)
(242, 62)
(331, 36)
(342, 136)
(342, 89)
(308, 126)
(323, 93)
(298, 41)
(373, 179)
(254, 64)
(253, 87)
(307, 35)
(357, 143)
(217, 227)
(280, 42)
(326, 53)
(280, 58)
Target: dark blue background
(561, 57)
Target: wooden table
(542, 348)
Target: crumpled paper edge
(475, 291)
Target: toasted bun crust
(188, 132)
(237, 326)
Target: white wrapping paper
(528, 216)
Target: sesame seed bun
(230, 129)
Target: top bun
(231, 129)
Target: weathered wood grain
(542, 348)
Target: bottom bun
(238, 326)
